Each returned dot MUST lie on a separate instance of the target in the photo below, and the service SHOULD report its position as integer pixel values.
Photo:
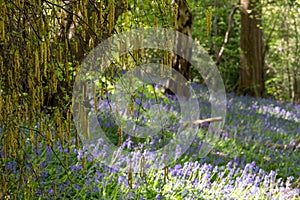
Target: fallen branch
(291, 146)
(213, 119)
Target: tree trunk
(184, 25)
(296, 88)
(251, 59)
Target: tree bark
(251, 59)
(183, 25)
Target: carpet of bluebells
(255, 158)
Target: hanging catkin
(208, 14)
(130, 177)
(120, 135)
(142, 167)
(175, 15)
(111, 17)
(166, 174)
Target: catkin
(208, 14)
(175, 15)
(2, 30)
(120, 135)
(130, 178)
(111, 17)
(142, 167)
(45, 59)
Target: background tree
(281, 22)
(252, 58)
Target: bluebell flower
(158, 197)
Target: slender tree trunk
(251, 59)
(296, 88)
(296, 64)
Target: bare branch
(230, 21)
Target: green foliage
(281, 26)
(229, 64)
